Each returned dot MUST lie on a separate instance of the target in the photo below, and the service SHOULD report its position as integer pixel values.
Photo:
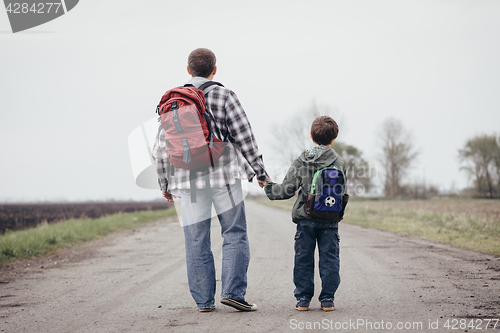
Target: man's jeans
(326, 235)
(235, 250)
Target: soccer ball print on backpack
(327, 198)
(190, 140)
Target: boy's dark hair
(201, 62)
(323, 130)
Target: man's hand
(263, 183)
(167, 196)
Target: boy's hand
(167, 196)
(263, 183)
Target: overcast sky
(73, 89)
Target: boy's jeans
(235, 250)
(326, 235)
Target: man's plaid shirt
(241, 161)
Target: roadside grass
(49, 238)
(473, 230)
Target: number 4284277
(36, 8)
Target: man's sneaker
(209, 309)
(327, 305)
(238, 304)
(302, 305)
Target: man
(219, 185)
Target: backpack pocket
(189, 142)
(199, 157)
(327, 199)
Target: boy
(324, 131)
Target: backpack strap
(343, 177)
(174, 108)
(228, 187)
(187, 151)
(205, 86)
(315, 177)
(192, 185)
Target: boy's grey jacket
(299, 177)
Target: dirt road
(136, 281)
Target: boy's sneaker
(327, 305)
(302, 305)
(209, 309)
(241, 305)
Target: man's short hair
(201, 62)
(324, 129)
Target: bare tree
(398, 154)
(358, 171)
(292, 135)
(481, 156)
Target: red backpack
(190, 140)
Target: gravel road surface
(135, 281)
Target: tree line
(479, 158)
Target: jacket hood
(322, 158)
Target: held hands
(167, 196)
(263, 183)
